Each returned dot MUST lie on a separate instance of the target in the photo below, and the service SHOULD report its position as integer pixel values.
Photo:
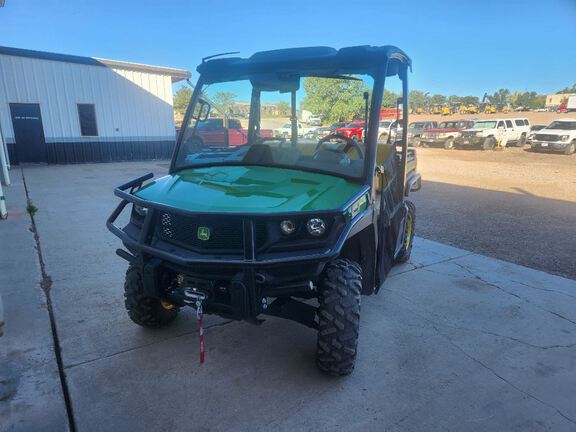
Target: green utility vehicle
(277, 226)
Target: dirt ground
(515, 205)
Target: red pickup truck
(211, 132)
(354, 130)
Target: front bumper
(549, 146)
(433, 141)
(474, 141)
(251, 271)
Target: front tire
(571, 148)
(404, 254)
(339, 317)
(149, 312)
(489, 144)
(449, 144)
(521, 141)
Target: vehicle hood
(441, 130)
(249, 189)
(555, 132)
(479, 130)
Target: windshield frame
(198, 93)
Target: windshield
(385, 124)
(248, 123)
(417, 125)
(485, 125)
(562, 125)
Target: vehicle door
(390, 207)
(212, 132)
(236, 134)
(511, 132)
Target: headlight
(565, 137)
(316, 227)
(287, 227)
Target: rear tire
(416, 142)
(404, 254)
(489, 144)
(149, 312)
(571, 148)
(449, 144)
(339, 317)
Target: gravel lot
(515, 205)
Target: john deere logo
(203, 233)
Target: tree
(418, 98)
(283, 108)
(467, 100)
(181, 99)
(389, 99)
(224, 101)
(438, 99)
(334, 99)
(500, 97)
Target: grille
(224, 234)
(545, 137)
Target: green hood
(249, 189)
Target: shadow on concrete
(518, 227)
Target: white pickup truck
(558, 136)
(498, 132)
(286, 130)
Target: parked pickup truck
(415, 130)
(445, 134)
(389, 130)
(286, 130)
(212, 133)
(558, 136)
(487, 134)
(354, 130)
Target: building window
(87, 116)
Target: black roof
(320, 61)
(176, 74)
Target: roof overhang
(175, 74)
(314, 61)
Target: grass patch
(31, 208)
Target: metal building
(60, 108)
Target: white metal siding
(129, 104)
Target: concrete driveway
(454, 341)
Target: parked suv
(487, 134)
(445, 134)
(560, 135)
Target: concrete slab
(30, 389)
(454, 341)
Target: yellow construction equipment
(420, 110)
(435, 109)
(446, 111)
(472, 109)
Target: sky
(457, 47)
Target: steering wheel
(350, 143)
